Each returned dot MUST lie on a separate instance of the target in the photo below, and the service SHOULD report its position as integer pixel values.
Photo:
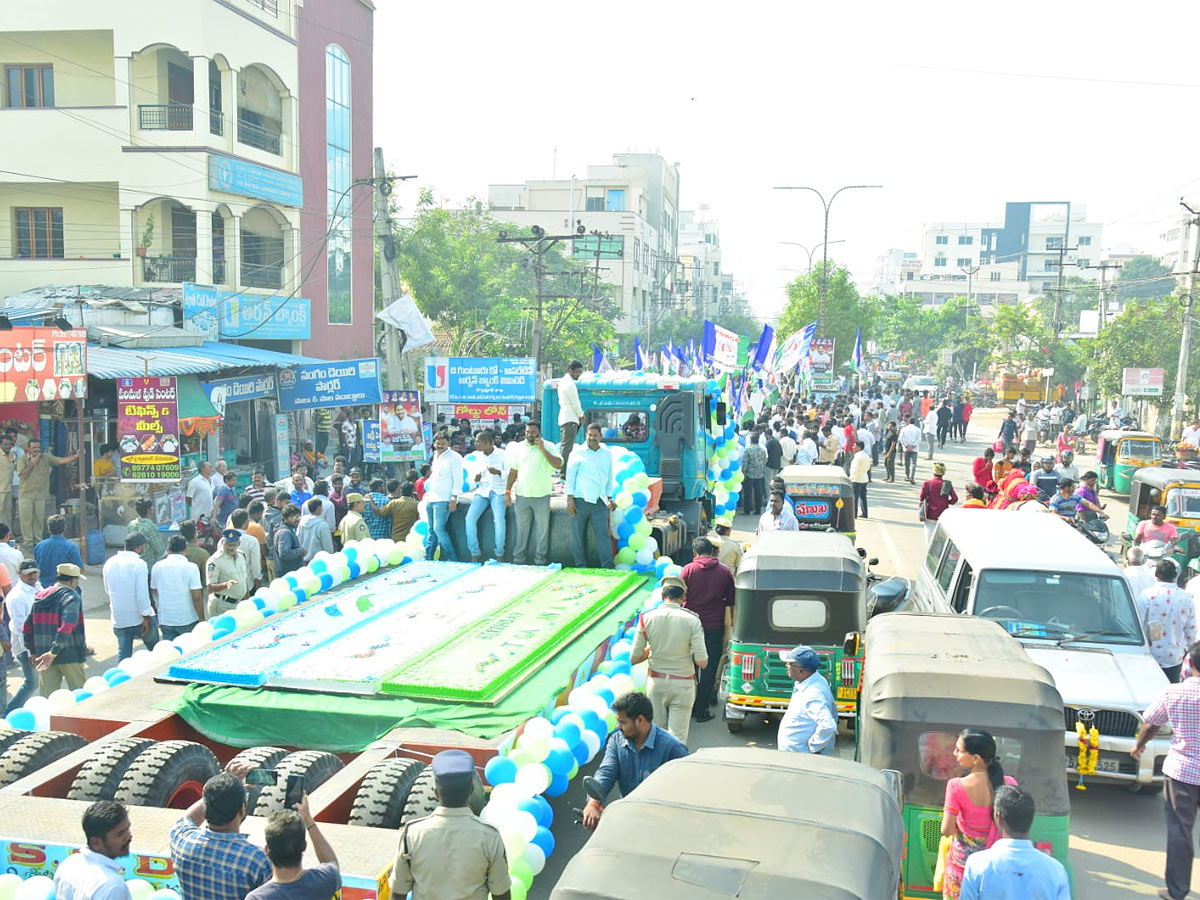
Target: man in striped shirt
(54, 632)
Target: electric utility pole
(1185, 344)
(399, 377)
(969, 271)
(1063, 249)
(1103, 308)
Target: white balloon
(95, 685)
(532, 778)
(524, 823)
(593, 742)
(538, 727)
(37, 703)
(534, 858)
(504, 797)
(60, 699)
(203, 632)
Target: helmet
(1154, 549)
(1047, 459)
(1068, 455)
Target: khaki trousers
(33, 515)
(52, 678)
(672, 699)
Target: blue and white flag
(666, 358)
(856, 359)
(762, 349)
(600, 363)
(795, 349)
(639, 361)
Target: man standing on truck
(570, 410)
(451, 853)
(589, 491)
(530, 477)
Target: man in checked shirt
(1178, 704)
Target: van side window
(946, 572)
(962, 590)
(936, 546)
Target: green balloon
(520, 757)
(627, 556)
(520, 871)
(518, 891)
(637, 541)
(643, 528)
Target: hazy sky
(954, 107)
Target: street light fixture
(814, 249)
(825, 244)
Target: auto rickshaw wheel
(735, 725)
(1134, 787)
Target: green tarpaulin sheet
(243, 717)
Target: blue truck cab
(659, 418)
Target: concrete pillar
(233, 252)
(200, 99)
(203, 245)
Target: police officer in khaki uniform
(227, 574)
(673, 640)
(451, 855)
(729, 551)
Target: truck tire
(101, 775)
(27, 754)
(259, 758)
(169, 774)
(316, 766)
(9, 736)
(384, 793)
(421, 799)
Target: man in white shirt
(589, 489)
(488, 473)
(570, 411)
(788, 446)
(175, 588)
(910, 443)
(930, 430)
(778, 517)
(10, 556)
(860, 474)
(217, 478)
(806, 450)
(94, 873)
(1137, 573)
(1191, 434)
(200, 492)
(127, 583)
(441, 496)
(18, 603)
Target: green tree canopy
(1144, 276)
(1146, 334)
(845, 309)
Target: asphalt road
(1117, 838)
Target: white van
(1070, 607)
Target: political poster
(820, 354)
(400, 437)
(148, 429)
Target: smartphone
(295, 791)
(262, 776)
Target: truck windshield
(1058, 605)
(620, 425)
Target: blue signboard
(227, 314)
(352, 382)
(371, 440)
(234, 390)
(237, 176)
(457, 379)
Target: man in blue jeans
(127, 583)
(18, 603)
(490, 472)
(441, 492)
(589, 492)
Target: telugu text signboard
(234, 390)
(1141, 382)
(457, 379)
(223, 314)
(41, 364)
(148, 428)
(353, 382)
(246, 179)
(480, 412)
(400, 427)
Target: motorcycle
(1092, 526)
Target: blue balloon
(557, 787)
(545, 814)
(318, 566)
(544, 839)
(719, 440)
(122, 677)
(633, 515)
(610, 433)
(326, 579)
(81, 695)
(350, 552)
(725, 473)
(500, 770)
(641, 498)
(624, 531)
(559, 761)
(729, 430)
(569, 732)
(621, 667)
(734, 465)
(421, 528)
(607, 694)
(580, 752)
(734, 497)
(556, 716)
(109, 673)
(530, 805)
(355, 569)
(594, 723)
(225, 620)
(291, 580)
(660, 565)
(21, 719)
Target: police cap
(452, 767)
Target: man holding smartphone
(285, 834)
(213, 859)
(531, 478)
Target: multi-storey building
(204, 145)
(634, 204)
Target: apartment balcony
(168, 269)
(165, 117)
(266, 139)
(262, 276)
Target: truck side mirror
(721, 414)
(592, 788)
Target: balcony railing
(165, 117)
(262, 276)
(267, 6)
(168, 269)
(218, 268)
(216, 122)
(261, 138)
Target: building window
(965, 240)
(716, 268)
(995, 276)
(1049, 264)
(616, 200)
(942, 239)
(30, 86)
(1054, 243)
(38, 232)
(1083, 263)
(908, 276)
(1086, 240)
(337, 167)
(940, 262)
(964, 260)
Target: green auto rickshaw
(821, 497)
(1178, 489)
(748, 823)
(1121, 453)
(926, 677)
(794, 588)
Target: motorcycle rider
(1045, 479)
(1089, 503)
(1064, 504)
(1067, 468)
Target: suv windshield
(1058, 605)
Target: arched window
(337, 166)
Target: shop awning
(196, 412)
(236, 355)
(211, 356)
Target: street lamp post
(825, 244)
(814, 249)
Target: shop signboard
(235, 390)
(148, 428)
(283, 443)
(400, 427)
(1141, 382)
(457, 379)
(39, 364)
(820, 354)
(220, 314)
(246, 179)
(351, 382)
(480, 412)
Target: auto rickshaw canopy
(934, 674)
(1112, 438)
(821, 488)
(751, 832)
(818, 560)
(1151, 479)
